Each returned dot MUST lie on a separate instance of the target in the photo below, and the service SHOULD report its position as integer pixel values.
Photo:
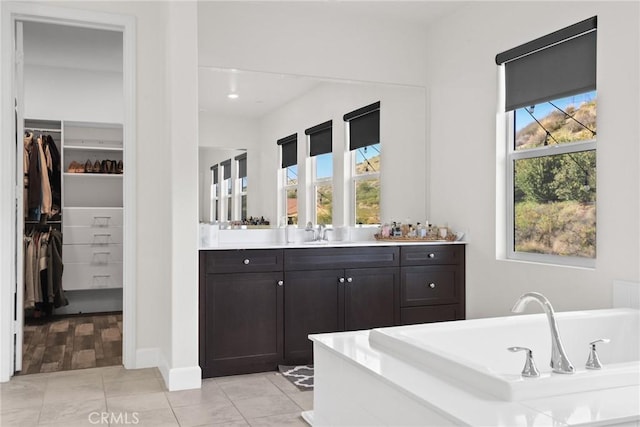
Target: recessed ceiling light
(233, 96)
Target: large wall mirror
(246, 113)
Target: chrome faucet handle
(593, 361)
(529, 369)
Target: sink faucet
(319, 234)
(560, 363)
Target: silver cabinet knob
(341, 280)
(280, 282)
(246, 261)
(529, 369)
(432, 255)
(349, 279)
(593, 361)
(432, 285)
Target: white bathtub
(473, 353)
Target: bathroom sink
(473, 353)
(316, 242)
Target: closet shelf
(93, 148)
(99, 175)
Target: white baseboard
(174, 378)
(184, 378)
(147, 358)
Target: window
(321, 159)
(551, 157)
(241, 186)
(364, 147)
(227, 188)
(215, 195)
(289, 178)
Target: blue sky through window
(542, 110)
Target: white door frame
(10, 12)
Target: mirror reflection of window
(241, 186)
(364, 145)
(214, 199)
(227, 186)
(289, 178)
(321, 160)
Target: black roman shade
(289, 146)
(214, 170)
(226, 169)
(559, 64)
(242, 165)
(320, 139)
(364, 126)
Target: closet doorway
(75, 196)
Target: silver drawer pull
(280, 282)
(432, 255)
(101, 239)
(246, 261)
(432, 285)
(341, 280)
(95, 276)
(101, 221)
(349, 279)
(101, 258)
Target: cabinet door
(371, 298)
(313, 303)
(243, 322)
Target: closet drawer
(428, 285)
(94, 255)
(95, 236)
(87, 276)
(93, 217)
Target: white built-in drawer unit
(92, 248)
(89, 276)
(92, 254)
(93, 217)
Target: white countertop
(470, 407)
(330, 244)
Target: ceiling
(258, 93)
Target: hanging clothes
(44, 177)
(43, 270)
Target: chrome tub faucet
(560, 363)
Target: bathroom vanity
(259, 304)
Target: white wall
(78, 95)
(463, 87)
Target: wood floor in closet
(73, 342)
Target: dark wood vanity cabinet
(257, 307)
(241, 311)
(432, 284)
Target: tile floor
(112, 396)
(72, 342)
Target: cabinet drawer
(94, 255)
(94, 236)
(93, 217)
(438, 313)
(325, 258)
(428, 285)
(243, 261)
(431, 255)
(88, 276)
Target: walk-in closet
(70, 155)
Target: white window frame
(284, 188)
(226, 199)
(315, 183)
(238, 193)
(511, 157)
(354, 179)
(214, 196)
